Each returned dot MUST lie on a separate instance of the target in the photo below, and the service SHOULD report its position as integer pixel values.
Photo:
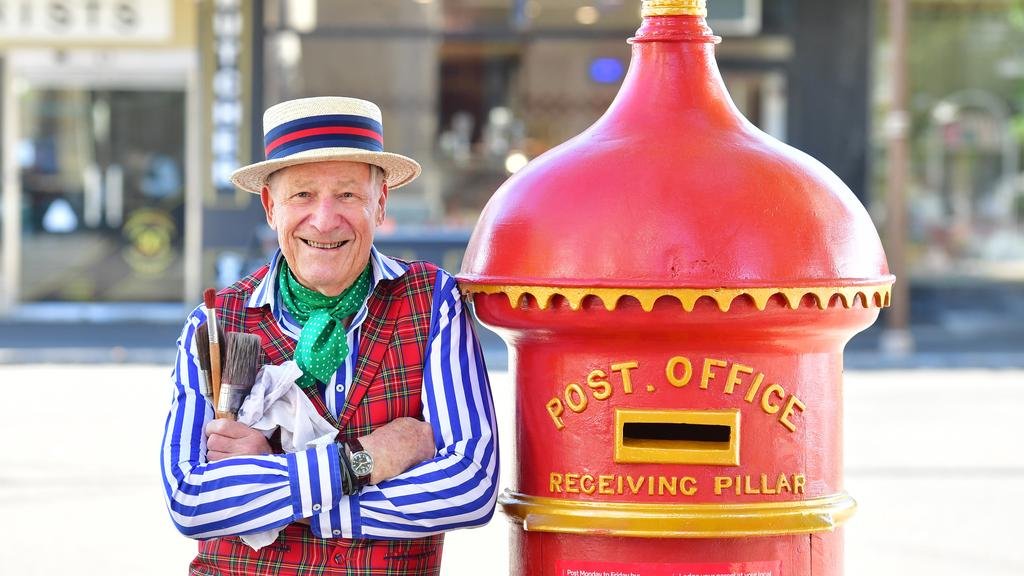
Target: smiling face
(325, 214)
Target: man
(388, 355)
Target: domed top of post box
(673, 188)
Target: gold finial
(674, 8)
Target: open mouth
(325, 246)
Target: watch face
(362, 464)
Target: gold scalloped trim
(878, 295)
(674, 8)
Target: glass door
(101, 170)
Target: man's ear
(382, 203)
(268, 205)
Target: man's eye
(301, 195)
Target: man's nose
(326, 216)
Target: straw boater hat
(320, 130)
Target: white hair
(377, 176)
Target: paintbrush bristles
(210, 298)
(243, 361)
(203, 357)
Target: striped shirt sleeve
(457, 488)
(236, 495)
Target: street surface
(933, 457)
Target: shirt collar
(382, 267)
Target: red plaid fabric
(297, 553)
(387, 383)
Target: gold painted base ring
(661, 520)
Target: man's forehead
(338, 172)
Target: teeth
(319, 245)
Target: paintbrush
(210, 301)
(243, 355)
(203, 355)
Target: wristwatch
(362, 462)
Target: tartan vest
(386, 385)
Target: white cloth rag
(277, 402)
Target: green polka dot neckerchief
(322, 343)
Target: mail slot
(676, 289)
(677, 436)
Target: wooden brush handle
(210, 302)
(215, 373)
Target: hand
(226, 438)
(398, 446)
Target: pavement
(932, 447)
(932, 456)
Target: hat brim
(399, 170)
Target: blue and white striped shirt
(239, 495)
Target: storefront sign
(227, 66)
(227, 92)
(86, 20)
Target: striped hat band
(328, 131)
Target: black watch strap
(348, 477)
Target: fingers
(422, 434)
(420, 438)
(218, 444)
(229, 428)
(226, 438)
(212, 456)
(398, 446)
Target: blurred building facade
(97, 101)
(965, 195)
(120, 125)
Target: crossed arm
(395, 447)
(219, 479)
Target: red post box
(676, 289)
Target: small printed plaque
(587, 568)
